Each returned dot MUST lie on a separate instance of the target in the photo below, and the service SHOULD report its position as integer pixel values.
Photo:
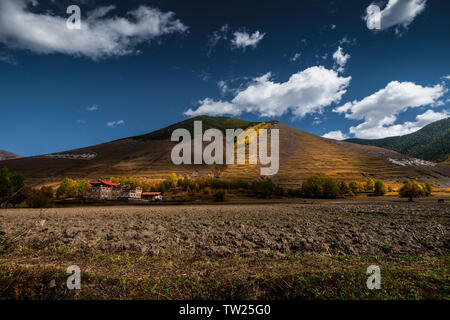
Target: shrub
(219, 196)
(380, 188)
(265, 188)
(39, 198)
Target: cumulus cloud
(336, 135)
(398, 13)
(100, 37)
(214, 108)
(92, 108)
(379, 110)
(446, 77)
(305, 92)
(243, 39)
(340, 59)
(114, 124)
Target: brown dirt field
(338, 228)
(259, 247)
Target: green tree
(12, 187)
(83, 188)
(354, 187)
(70, 188)
(428, 189)
(344, 188)
(330, 188)
(380, 188)
(318, 187)
(313, 187)
(67, 189)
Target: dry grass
(27, 275)
(286, 251)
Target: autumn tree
(411, 190)
(369, 186)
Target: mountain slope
(301, 155)
(6, 155)
(431, 143)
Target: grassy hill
(431, 143)
(301, 155)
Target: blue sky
(120, 76)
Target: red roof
(151, 193)
(105, 182)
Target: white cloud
(99, 37)
(92, 108)
(396, 13)
(296, 57)
(379, 110)
(446, 77)
(409, 127)
(213, 108)
(307, 91)
(243, 39)
(216, 37)
(340, 59)
(114, 124)
(337, 135)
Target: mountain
(5, 155)
(301, 155)
(431, 143)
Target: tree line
(14, 191)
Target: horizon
(315, 66)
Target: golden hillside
(301, 155)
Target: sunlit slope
(301, 155)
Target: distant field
(303, 251)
